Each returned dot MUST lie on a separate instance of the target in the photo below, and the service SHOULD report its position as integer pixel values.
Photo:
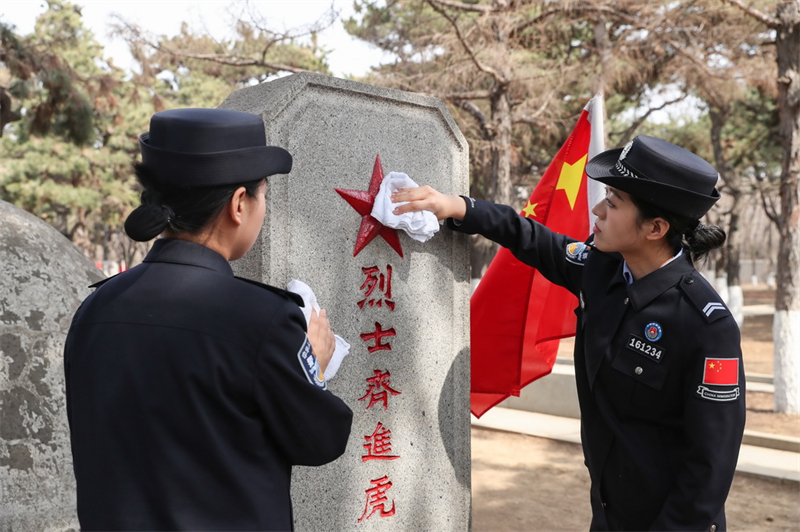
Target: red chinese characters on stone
(377, 500)
(377, 336)
(377, 389)
(376, 279)
(379, 444)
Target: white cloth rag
(342, 347)
(420, 225)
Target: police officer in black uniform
(658, 360)
(190, 392)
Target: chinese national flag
(518, 317)
(723, 371)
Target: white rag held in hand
(342, 347)
(420, 225)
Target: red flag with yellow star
(518, 316)
(721, 371)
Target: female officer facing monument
(658, 360)
(191, 393)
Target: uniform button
(713, 528)
(638, 370)
(690, 280)
(626, 301)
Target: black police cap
(210, 147)
(659, 173)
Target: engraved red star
(362, 201)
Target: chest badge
(652, 331)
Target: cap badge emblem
(625, 151)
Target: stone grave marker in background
(43, 279)
(401, 304)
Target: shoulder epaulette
(705, 298)
(285, 293)
(104, 281)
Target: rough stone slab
(771, 441)
(555, 394)
(334, 129)
(43, 279)
(753, 460)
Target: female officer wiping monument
(658, 360)
(191, 393)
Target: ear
(236, 206)
(658, 228)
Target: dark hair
(698, 238)
(179, 209)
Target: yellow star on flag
(570, 179)
(529, 210)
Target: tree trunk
(786, 325)
(482, 250)
(733, 251)
(603, 44)
(733, 243)
(501, 147)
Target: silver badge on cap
(625, 151)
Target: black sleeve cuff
(458, 225)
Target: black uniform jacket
(660, 434)
(187, 401)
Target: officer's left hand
(321, 337)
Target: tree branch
(566, 9)
(765, 19)
(135, 35)
(626, 136)
(499, 78)
(768, 203)
(769, 209)
(231, 60)
(486, 126)
(459, 96)
(466, 7)
(531, 119)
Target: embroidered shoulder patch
(718, 375)
(577, 252)
(310, 365)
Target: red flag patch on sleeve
(721, 371)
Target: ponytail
(702, 238)
(179, 209)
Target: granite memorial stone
(401, 304)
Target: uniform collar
(655, 283)
(177, 251)
(628, 275)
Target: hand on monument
(426, 198)
(321, 337)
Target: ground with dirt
(524, 483)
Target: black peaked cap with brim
(210, 147)
(659, 173)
